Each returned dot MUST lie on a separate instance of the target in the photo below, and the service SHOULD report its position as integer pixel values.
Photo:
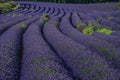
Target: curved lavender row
(11, 17)
(29, 9)
(83, 63)
(103, 48)
(13, 20)
(6, 14)
(8, 18)
(10, 51)
(34, 11)
(41, 10)
(63, 10)
(86, 18)
(51, 11)
(77, 22)
(8, 24)
(22, 5)
(45, 11)
(56, 12)
(11, 23)
(113, 14)
(109, 24)
(102, 16)
(37, 11)
(39, 62)
(75, 19)
(48, 10)
(9, 14)
(60, 14)
(36, 8)
(109, 38)
(25, 8)
(112, 18)
(15, 11)
(106, 23)
(73, 11)
(67, 11)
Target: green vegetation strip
(91, 28)
(8, 6)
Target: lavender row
(83, 63)
(78, 22)
(101, 47)
(39, 61)
(14, 15)
(8, 22)
(11, 16)
(10, 51)
(7, 25)
(109, 38)
(109, 24)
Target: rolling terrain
(55, 41)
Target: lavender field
(58, 41)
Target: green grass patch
(78, 25)
(8, 6)
(91, 28)
(3, 8)
(45, 16)
(20, 14)
(23, 25)
(104, 30)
